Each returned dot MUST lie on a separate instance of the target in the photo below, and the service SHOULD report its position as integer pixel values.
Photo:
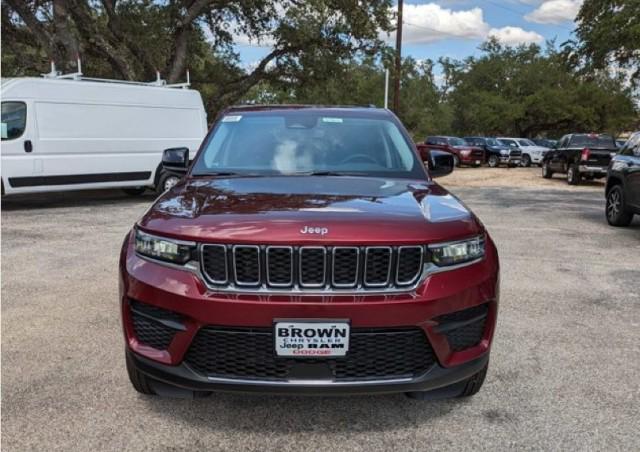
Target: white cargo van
(68, 134)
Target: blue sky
(456, 28)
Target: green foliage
(609, 32)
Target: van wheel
(134, 191)
(616, 213)
(573, 175)
(166, 182)
(493, 161)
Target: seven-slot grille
(312, 267)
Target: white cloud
(555, 11)
(430, 22)
(515, 36)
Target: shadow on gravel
(274, 414)
(85, 198)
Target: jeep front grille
(311, 267)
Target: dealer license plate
(477, 162)
(311, 339)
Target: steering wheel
(359, 157)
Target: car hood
(279, 210)
(535, 148)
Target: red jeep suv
(308, 250)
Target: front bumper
(184, 293)
(184, 377)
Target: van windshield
(306, 142)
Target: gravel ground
(564, 374)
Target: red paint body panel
(183, 292)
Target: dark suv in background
(580, 155)
(463, 153)
(496, 152)
(623, 184)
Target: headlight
(457, 252)
(169, 250)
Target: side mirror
(440, 163)
(176, 159)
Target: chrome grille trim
(333, 263)
(226, 265)
(389, 251)
(274, 284)
(332, 278)
(235, 267)
(301, 251)
(398, 257)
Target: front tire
(615, 208)
(546, 171)
(573, 175)
(493, 162)
(526, 161)
(139, 381)
(456, 161)
(462, 389)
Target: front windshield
(456, 142)
(296, 142)
(526, 143)
(493, 142)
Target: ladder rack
(57, 75)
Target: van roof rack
(57, 75)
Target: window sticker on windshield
(331, 119)
(232, 118)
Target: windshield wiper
(326, 173)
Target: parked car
(531, 152)
(623, 183)
(244, 275)
(545, 142)
(463, 154)
(580, 155)
(71, 134)
(496, 152)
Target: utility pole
(398, 75)
(386, 89)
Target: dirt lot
(513, 177)
(564, 374)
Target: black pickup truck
(580, 155)
(623, 184)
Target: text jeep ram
(308, 250)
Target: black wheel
(134, 191)
(456, 161)
(617, 215)
(546, 171)
(465, 388)
(139, 381)
(474, 383)
(526, 160)
(494, 161)
(573, 175)
(166, 182)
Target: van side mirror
(440, 163)
(176, 159)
